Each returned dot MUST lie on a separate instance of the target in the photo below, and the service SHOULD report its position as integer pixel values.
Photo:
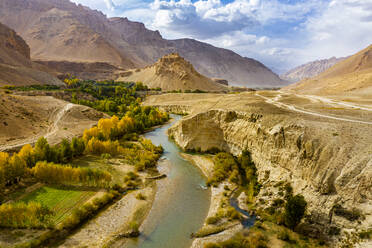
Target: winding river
(181, 204)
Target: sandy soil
(334, 109)
(24, 119)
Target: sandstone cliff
(328, 161)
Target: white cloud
(110, 5)
(343, 28)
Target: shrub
(141, 197)
(294, 211)
(351, 215)
(278, 202)
(212, 220)
(334, 230)
(284, 235)
(367, 234)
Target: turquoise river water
(181, 204)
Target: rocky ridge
(310, 69)
(172, 72)
(329, 170)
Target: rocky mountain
(16, 67)
(172, 72)
(58, 30)
(309, 70)
(352, 76)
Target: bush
(207, 231)
(253, 240)
(141, 197)
(284, 235)
(278, 202)
(212, 220)
(351, 215)
(294, 211)
(367, 234)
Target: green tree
(77, 147)
(294, 211)
(66, 151)
(41, 149)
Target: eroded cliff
(329, 163)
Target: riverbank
(105, 228)
(218, 195)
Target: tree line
(53, 173)
(24, 215)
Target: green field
(60, 200)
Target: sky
(281, 34)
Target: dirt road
(54, 119)
(276, 101)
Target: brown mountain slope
(352, 76)
(310, 70)
(172, 72)
(16, 67)
(54, 32)
(60, 30)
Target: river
(181, 204)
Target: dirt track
(46, 116)
(276, 101)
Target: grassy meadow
(60, 200)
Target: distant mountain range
(352, 76)
(310, 69)
(60, 32)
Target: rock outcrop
(172, 72)
(221, 81)
(329, 169)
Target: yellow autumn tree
(27, 155)
(106, 126)
(125, 125)
(90, 133)
(3, 158)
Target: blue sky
(280, 33)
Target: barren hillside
(311, 69)
(16, 67)
(352, 76)
(172, 72)
(58, 30)
(26, 118)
